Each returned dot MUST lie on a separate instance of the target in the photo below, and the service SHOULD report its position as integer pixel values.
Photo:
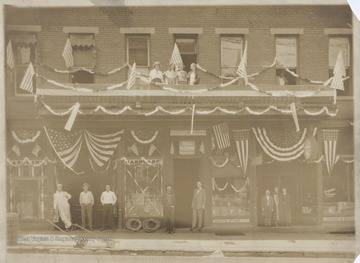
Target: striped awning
(24, 39)
(82, 40)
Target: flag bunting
(242, 147)
(222, 137)
(330, 142)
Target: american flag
(102, 147)
(67, 145)
(241, 71)
(27, 81)
(68, 54)
(16, 150)
(339, 72)
(152, 149)
(132, 77)
(36, 150)
(222, 137)
(242, 146)
(10, 56)
(330, 141)
(176, 57)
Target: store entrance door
(186, 174)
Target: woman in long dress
(62, 207)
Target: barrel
(12, 221)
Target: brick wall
(111, 45)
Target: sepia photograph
(192, 131)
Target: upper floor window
(24, 46)
(286, 55)
(83, 45)
(231, 52)
(138, 51)
(188, 48)
(335, 45)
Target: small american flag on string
(222, 137)
(27, 81)
(132, 77)
(176, 57)
(241, 71)
(134, 149)
(152, 149)
(68, 54)
(10, 56)
(339, 72)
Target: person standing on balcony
(193, 75)
(267, 206)
(281, 79)
(198, 206)
(108, 200)
(169, 211)
(156, 76)
(182, 75)
(62, 206)
(86, 201)
(171, 75)
(286, 201)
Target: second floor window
(187, 45)
(84, 56)
(24, 45)
(286, 55)
(231, 52)
(138, 51)
(335, 45)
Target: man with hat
(155, 74)
(86, 201)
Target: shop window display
(230, 200)
(143, 190)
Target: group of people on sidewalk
(174, 75)
(86, 200)
(276, 207)
(108, 200)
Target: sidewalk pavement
(121, 241)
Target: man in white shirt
(86, 200)
(108, 200)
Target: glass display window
(230, 199)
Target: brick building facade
(106, 38)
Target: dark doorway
(283, 175)
(187, 173)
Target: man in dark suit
(198, 206)
(267, 206)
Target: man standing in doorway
(267, 206)
(86, 201)
(277, 206)
(198, 206)
(286, 201)
(108, 200)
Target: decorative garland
(219, 165)
(133, 224)
(27, 140)
(27, 161)
(216, 187)
(145, 141)
(85, 69)
(242, 188)
(177, 112)
(151, 225)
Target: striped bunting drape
(242, 147)
(67, 145)
(222, 137)
(277, 152)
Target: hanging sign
(187, 147)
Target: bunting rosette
(281, 144)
